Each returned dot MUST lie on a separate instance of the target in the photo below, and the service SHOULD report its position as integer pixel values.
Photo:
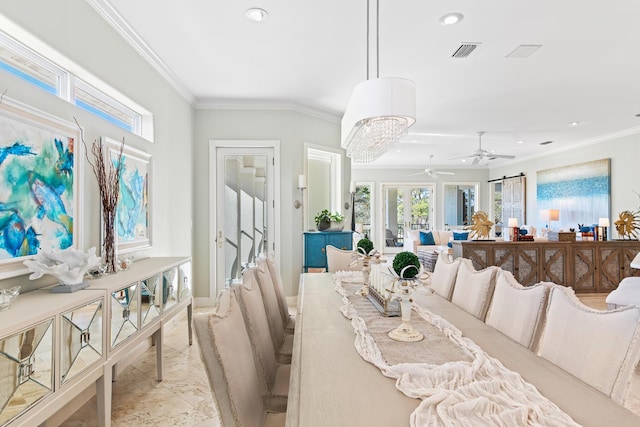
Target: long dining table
(333, 385)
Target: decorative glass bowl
(8, 296)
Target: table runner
(459, 386)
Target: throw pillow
(444, 275)
(426, 238)
(460, 236)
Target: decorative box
(562, 236)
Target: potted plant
(327, 221)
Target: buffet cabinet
(53, 346)
(596, 266)
(315, 242)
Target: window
(30, 66)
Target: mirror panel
(169, 288)
(81, 339)
(124, 313)
(460, 202)
(149, 301)
(185, 280)
(26, 363)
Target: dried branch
(107, 173)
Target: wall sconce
(603, 224)
(302, 185)
(513, 229)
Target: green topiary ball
(403, 259)
(366, 245)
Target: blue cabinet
(315, 255)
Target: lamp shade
(603, 222)
(545, 214)
(513, 222)
(554, 214)
(379, 113)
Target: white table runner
(465, 391)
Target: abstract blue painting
(38, 169)
(133, 225)
(581, 192)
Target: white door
(405, 207)
(242, 217)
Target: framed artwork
(133, 213)
(581, 193)
(39, 179)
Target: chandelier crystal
(372, 137)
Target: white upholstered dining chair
(341, 260)
(282, 340)
(599, 347)
(473, 289)
(443, 278)
(227, 355)
(288, 320)
(518, 311)
(276, 375)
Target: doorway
(242, 215)
(405, 207)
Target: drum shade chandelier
(380, 111)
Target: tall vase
(109, 240)
(405, 332)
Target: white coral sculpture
(68, 266)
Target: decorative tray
(386, 308)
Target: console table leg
(158, 340)
(103, 396)
(189, 326)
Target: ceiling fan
(481, 154)
(432, 172)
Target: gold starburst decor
(628, 224)
(481, 225)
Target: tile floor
(184, 398)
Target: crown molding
(122, 27)
(228, 104)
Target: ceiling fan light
(379, 113)
(256, 15)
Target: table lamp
(554, 215)
(514, 231)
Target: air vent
(546, 142)
(465, 50)
(524, 50)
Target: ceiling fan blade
(462, 157)
(416, 174)
(445, 173)
(501, 156)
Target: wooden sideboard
(584, 266)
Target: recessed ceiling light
(451, 18)
(574, 123)
(521, 141)
(256, 15)
(464, 160)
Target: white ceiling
(312, 54)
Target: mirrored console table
(54, 346)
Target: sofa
(412, 241)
